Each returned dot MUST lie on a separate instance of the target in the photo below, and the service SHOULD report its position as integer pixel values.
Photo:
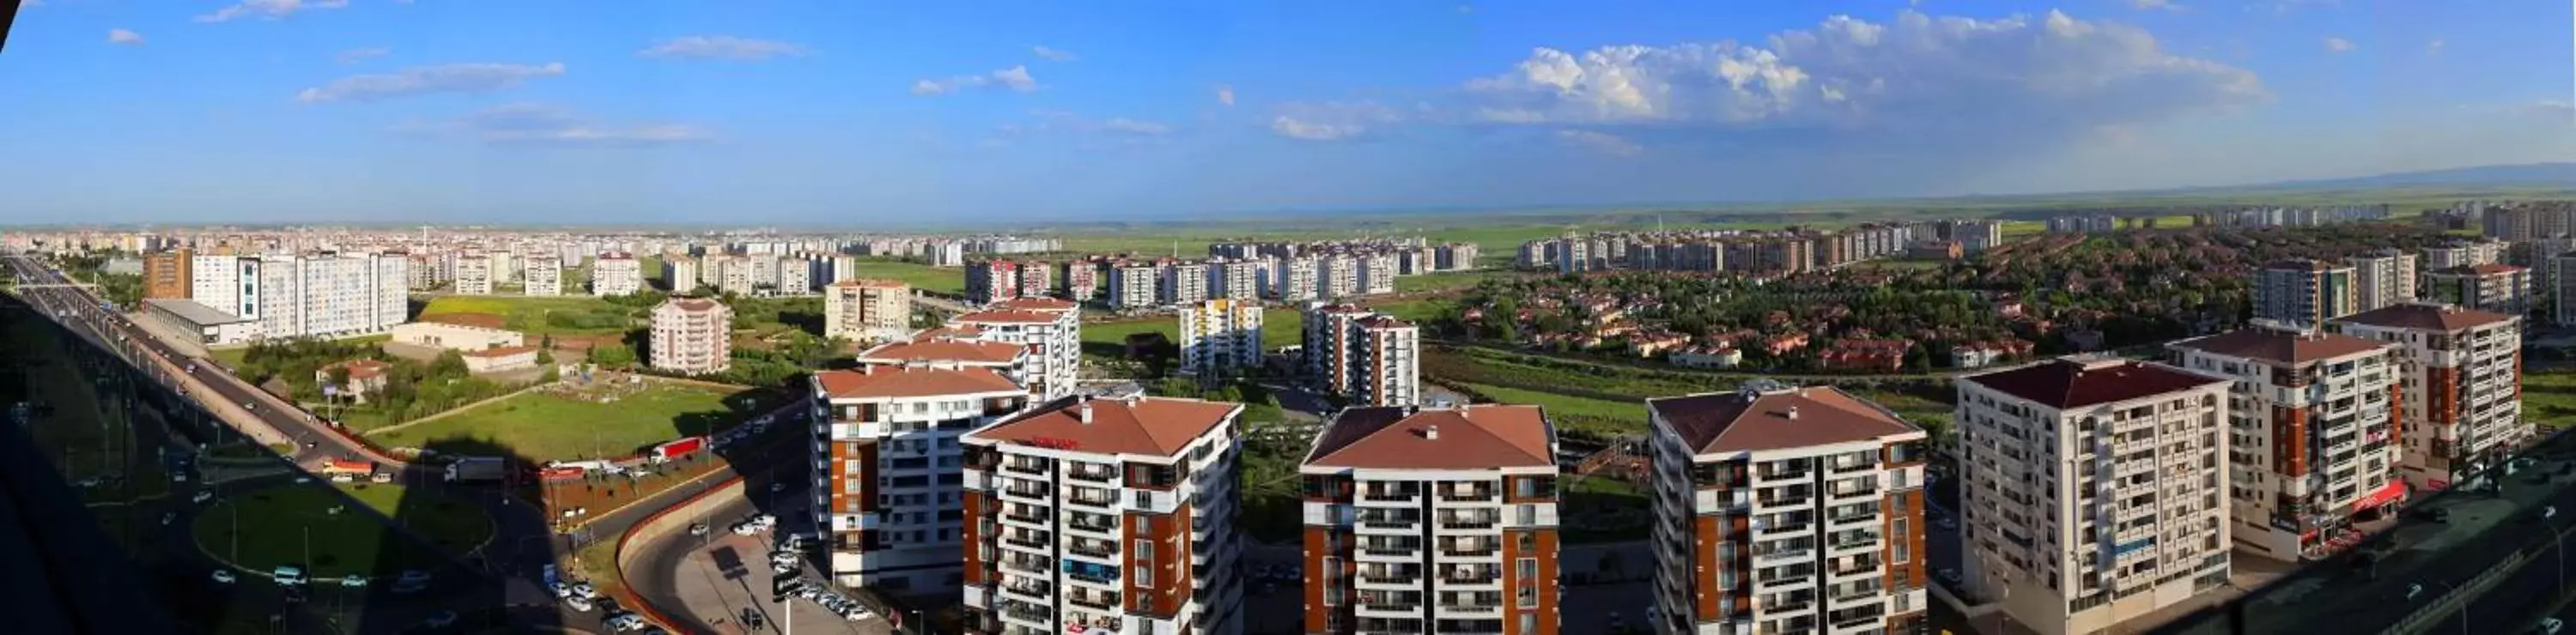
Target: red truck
(677, 449)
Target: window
(1529, 623)
(1528, 542)
(1897, 536)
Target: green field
(566, 315)
(293, 524)
(920, 276)
(1447, 281)
(542, 427)
(1416, 311)
(2549, 398)
(1279, 327)
(1599, 416)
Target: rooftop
(1050, 305)
(2488, 269)
(1005, 317)
(1754, 421)
(2281, 346)
(692, 305)
(872, 283)
(1471, 437)
(2074, 383)
(501, 351)
(1148, 426)
(2426, 316)
(941, 349)
(193, 312)
(880, 382)
(361, 368)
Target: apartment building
(1432, 520)
(692, 335)
(991, 281)
(1786, 510)
(2382, 278)
(2302, 293)
(1132, 285)
(1036, 280)
(1294, 280)
(795, 277)
(1182, 284)
(545, 277)
(1011, 361)
(1337, 276)
(2488, 287)
(889, 486)
(680, 274)
(867, 310)
(321, 294)
(1369, 359)
(617, 276)
(475, 275)
(1050, 328)
(1238, 280)
(730, 274)
(2463, 253)
(167, 275)
(2460, 374)
(1377, 274)
(1104, 515)
(1977, 235)
(2090, 490)
(1220, 337)
(1454, 256)
(2311, 433)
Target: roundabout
(316, 526)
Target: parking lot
(727, 574)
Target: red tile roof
(2487, 269)
(877, 382)
(2066, 383)
(1475, 437)
(1005, 317)
(2280, 346)
(963, 351)
(2428, 317)
(948, 332)
(1149, 426)
(1036, 304)
(361, 368)
(1750, 421)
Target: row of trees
(411, 389)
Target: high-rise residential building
(1337, 276)
(680, 274)
(795, 277)
(1091, 515)
(325, 295)
(731, 274)
(474, 275)
(692, 335)
(545, 277)
(505, 266)
(1786, 510)
(2462, 253)
(1081, 280)
(845, 268)
(1220, 337)
(1977, 235)
(2524, 222)
(1377, 274)
(2091, 490)
(2562, 310)
(1235, 280)
(2488, 287)
(2302, 293)
(1131, 285)
(990, 281)
(2312, 431)
(1293, 279)
(889, 494)
(1182, 283)
(1369, 359)
(167, 274)
(1432, 520)
(1037, 280)
(867, 310)
(616, 274)
(2462, 385)
(1051, 328)
(1454, 256)
(935, 349)
(2382, 278)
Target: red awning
(2393, 492)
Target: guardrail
(2456, 599)
(649, 528)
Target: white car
(224, 576)
(578, 603)
(2551, 626)
(857, 613)
(626, 622)
(744, 529)
(202, 496)
(583, 590)
(560, 589)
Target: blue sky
(861, 114)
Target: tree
(450, 365)
(612, 355)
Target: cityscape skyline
(369, 110)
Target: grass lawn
(545, 427)
(535, 316)
(920, 276)
(278, 526)
(1416, 311)
(1279, 327)
(2549, 398)
(1607, 509)
(1447, 280)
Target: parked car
(202, 495)
(2550, 626)
(560, 589)
(583, 590)
(697, 529)
(288, 575)
(224, 576)
(441, 619)
(353, 581)
(578, 603)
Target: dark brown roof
(2064, 383)
(1152, 426)
(2281, 346)
(891, 381)
(964, 351)
(2425, 316)
(1383, 322)
(1744, 422)
(1472, 437)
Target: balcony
(1476, 494)
(1390, 577)
(1471, 608)
(1092, 550)
(1102, 500)
(1025, 541)
(1469, 521)
(1032, 494)
(1103, 602)
(1085, 522)
(1471, 549)
(1388, 496)
(1093, 473)
(1024, 514)
(1094, 575)
(1027, 613)
(1030, 566)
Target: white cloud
(720, 47)
(523, 124)
(448, 78)
(1056, 55)
(2338, 45)
(124, 37)
(1225, 95)
(1601, 142)
(1295, 128)
(1015, 79)
(2434, 47)
(268, 9)
(2052, 75)
(2156, 5)
(353, 56)
(1122, 125)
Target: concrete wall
(663, 523)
